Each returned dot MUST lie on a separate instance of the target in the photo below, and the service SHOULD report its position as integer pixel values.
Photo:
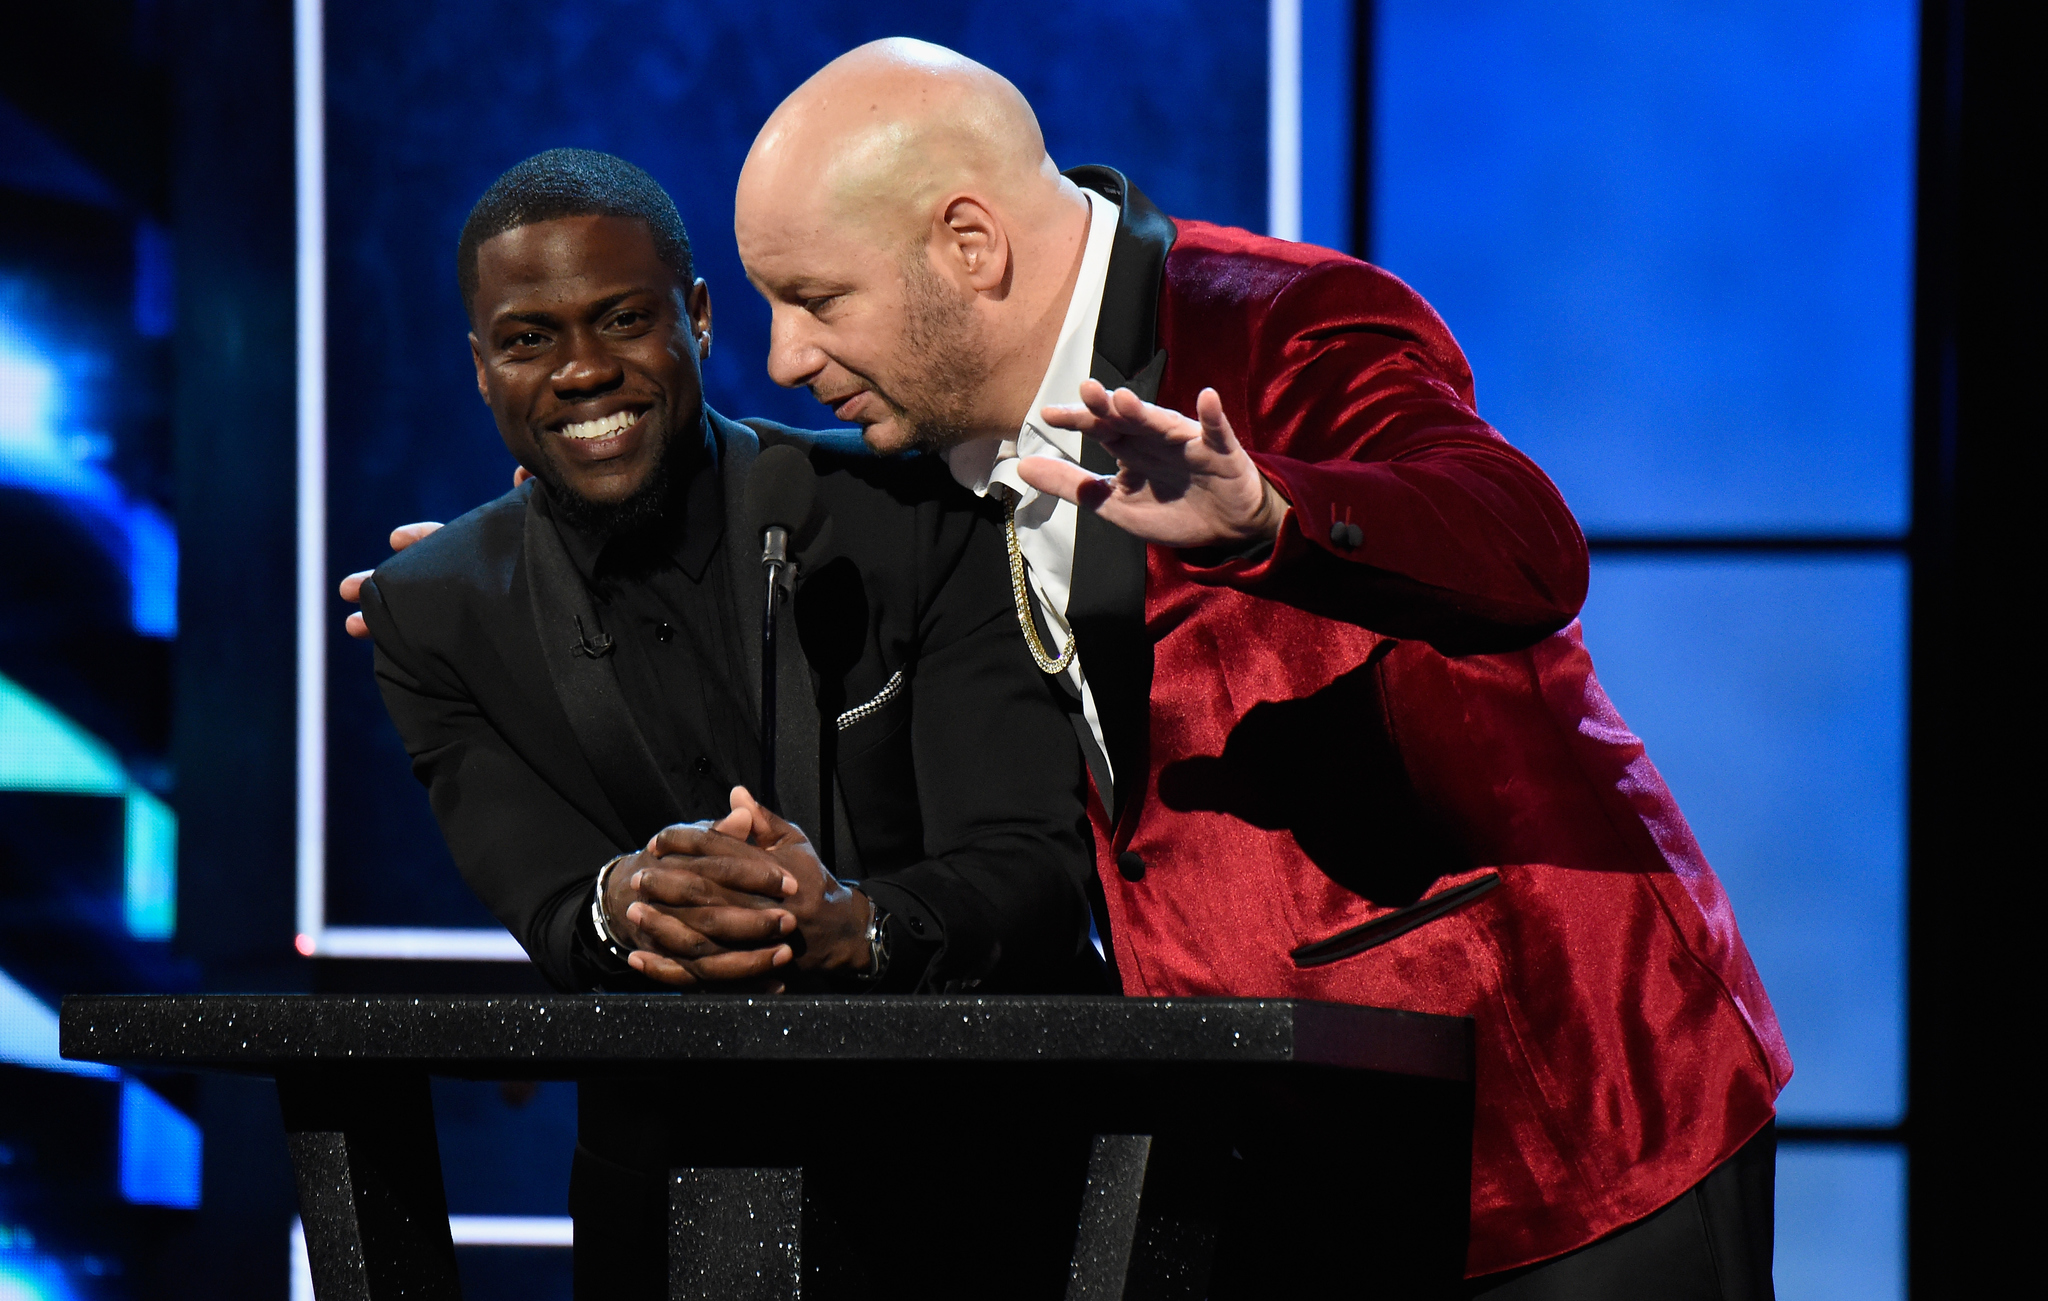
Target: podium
(1219, 1147)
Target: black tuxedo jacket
(918, 745)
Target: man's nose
(588, 366)
(793, 359)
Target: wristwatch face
(878, 946)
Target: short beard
(641, 512)
(949, 366)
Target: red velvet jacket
(1375, 715)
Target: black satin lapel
(737, 449)
(1106, 607)
(588, 686)
(1127, 327)
(796, 714)
(1107, 602)
(1146, 382)
(511, 650)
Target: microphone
(782, 491)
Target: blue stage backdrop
(427, 103)
(99, 1170)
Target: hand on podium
(743, 901)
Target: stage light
(42, 750)
(160, 1150)
(41, 449)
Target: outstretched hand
(1179, 482)
(401, 537)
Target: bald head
(916, 244)
(881, 133)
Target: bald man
(1316, 623)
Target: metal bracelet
(600, 920)
(878, 947)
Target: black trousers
(1712, 1244)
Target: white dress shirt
(1045, 524)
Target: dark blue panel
(515, 1273)
(1841, 1223)
(1675, 241)
(505, 1148)
(428, 102)
(1771, 694)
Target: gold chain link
(1046, 663)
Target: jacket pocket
(1372, 934)
(891, 691)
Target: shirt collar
(975, 464)
(689, 532)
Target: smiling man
(571, 665)
(572, 668)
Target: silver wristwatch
(878, 947)
(600, 920)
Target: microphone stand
(774, 559)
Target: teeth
(602, 428)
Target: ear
(697, 305)
(974, 245)
(476, 354)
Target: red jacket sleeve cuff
(1248, 569)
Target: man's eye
(628, 319)
(527, 340)
(816, 305)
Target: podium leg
(368, 1170)
(735, 1234)
(1147, 1229)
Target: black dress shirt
(669, 611)
(664, 596)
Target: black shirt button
(1130, 866)
(663, 633)
(916, 924)
(701, 768)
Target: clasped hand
(740, 902)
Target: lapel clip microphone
(595, 648)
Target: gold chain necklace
(1046, 663)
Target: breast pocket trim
(890, 690)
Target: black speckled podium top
(558, 1036)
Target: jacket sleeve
(1002, 890)
(1408, 514)
(529, 854)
